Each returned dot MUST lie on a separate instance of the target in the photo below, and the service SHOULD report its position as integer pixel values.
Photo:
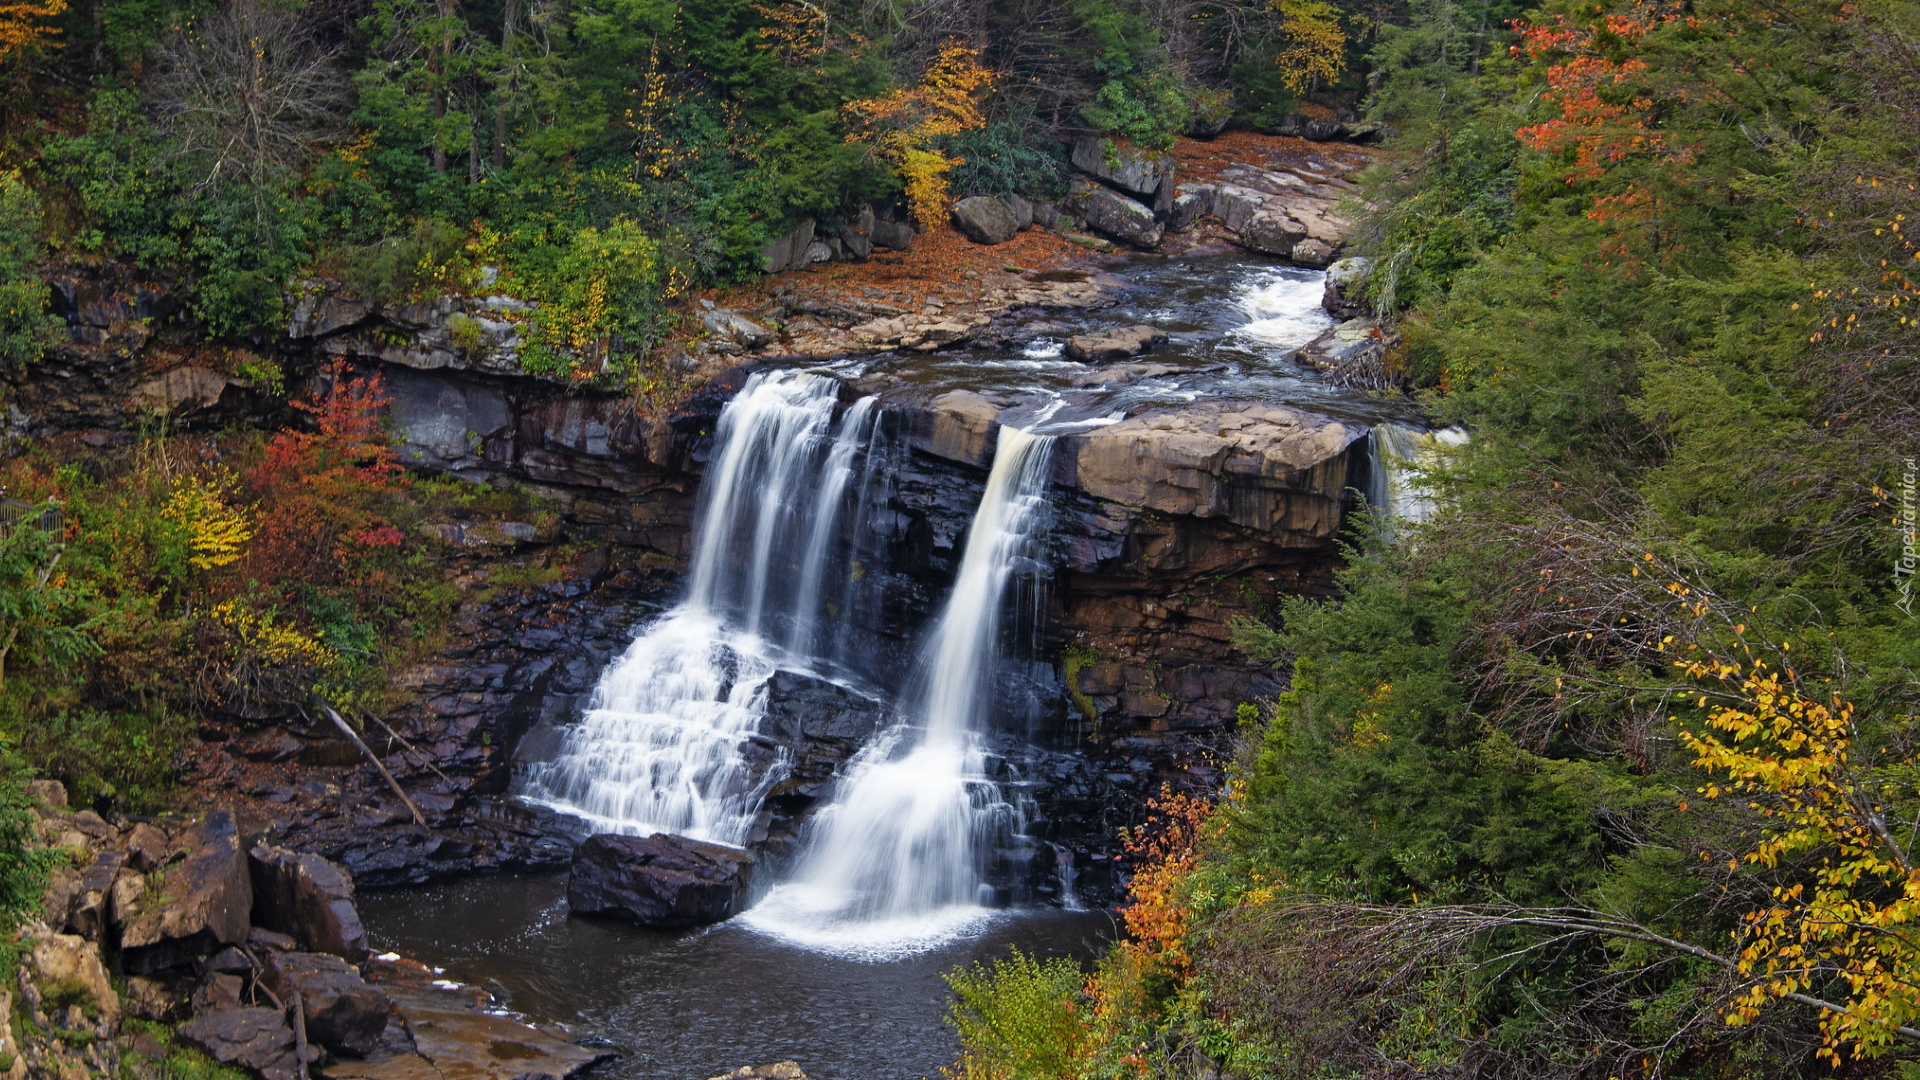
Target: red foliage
(321, 493)
(1167, 848)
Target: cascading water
(1396, 491)
(659, 748)
(896, 863)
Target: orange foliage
(321, 491)
(23, 26)
(901, 126)
(1167, 848)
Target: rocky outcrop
(208, 902)
(985, 219)
(813, 728)
(1351, 354)
(1110, 345)
(660, 880)
(1346, 280)
(256, 1038)
(307, 898)
(1291, 212)
(341, 1011)
(1144, 174)
(1112, 214)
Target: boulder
(452, 1039)
(1345, 281)
(1109, 345)
(964, 427)
(206, 903)
(147, 848)
(344, 1012)
(1046, 215)
(1320, 130)
(307, 898)
(822, 724)
(1312, 252)
(1129, 168)
(1115, 215)
(48, 794)
(779, 1070)
(65, 975)
(90, 912)
(256, 1038)
(320, 311)
(1272, 232)
(1191, 202)
(1351, 354)
(731, 324)
(1121, 374)
(660, 880)
(985, 219)
(897, 235)
(1022, 211)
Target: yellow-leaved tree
(1843, 936)
(1316, 46)
(25, 26)
(902, 125)
(217, 527)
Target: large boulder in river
(207, 902)
(1108, 345)
(662, 881)
(1113, 214)
(986, 220)
(344, 1013)
(307, 898)
(1344, 297)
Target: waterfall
(1396, 490)
(661, 746)
(897, 862)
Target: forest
(1610, 769)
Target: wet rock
(206, 903)
(307, 898)
(450, 1038)
(1345, 281)
(779, 1070)
(985, 219)
(344, 1013)
(1312, 252)
(1120, 374)
(660, 880)
(1275, 233)
(1118, 344)
(964, 427)
(256, 1038)
(1132, 169)
(1351, 354)
(1113, 214)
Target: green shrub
(25, 326)
(1020, 1018)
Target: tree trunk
(504, 93)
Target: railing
(47, 517)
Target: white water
(894, 865)
(1284, 308)
(1401, 456)
(660, 746)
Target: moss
(61, 993)
(1073, 660)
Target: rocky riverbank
(166, 940)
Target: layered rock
(1109, 345)
(662, 881)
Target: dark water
(694, 1005)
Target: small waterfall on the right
(896, 863)
(1395, 489)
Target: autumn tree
(26, 27)
(1315, 46)
(902, 126)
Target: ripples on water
(697, 1004)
